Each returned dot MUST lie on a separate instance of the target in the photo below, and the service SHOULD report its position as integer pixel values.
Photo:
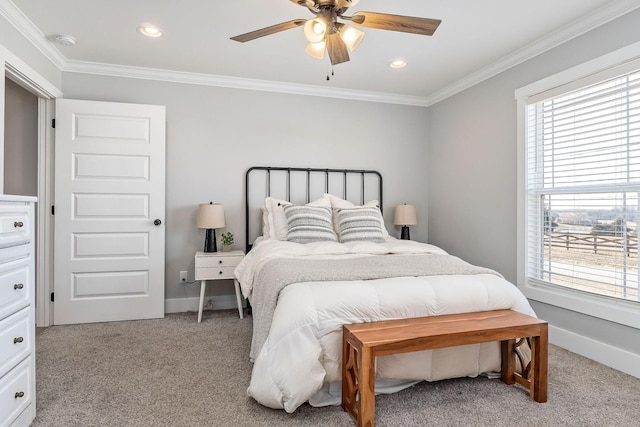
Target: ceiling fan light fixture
(315, 30)
(351, 36)
(316, 50)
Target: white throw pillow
(265, 222)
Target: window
(579, 188)
(583, 188)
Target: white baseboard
(181, 305)
(608, 355)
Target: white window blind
(583, 188)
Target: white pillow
(277, 220)
(340, 203)
(265, 222)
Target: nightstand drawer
(218, 261)
(208, 273)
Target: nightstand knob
(18, 286)
(221, 272)
(18, 340)
(19, 394)
(220, 262)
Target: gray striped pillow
(359, 224)
(309, 224)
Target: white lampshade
(405, 215)
(210, 216)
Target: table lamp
(210, 217)
(405, 215)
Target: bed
(320, 257)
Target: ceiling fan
(325, 33)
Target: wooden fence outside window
(596, 242)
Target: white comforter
(300, 360)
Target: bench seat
(363, 342)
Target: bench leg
(508, 364)
(349, 376)
(539, 375)
(366, 386)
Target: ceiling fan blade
(269, 30)
(337, 49)
(405, 24)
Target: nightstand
(217, 266)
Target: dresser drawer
(16, 391)
(15, 224)
(15, 286)
(16, 341)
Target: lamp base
(405, 233)
(210, 240)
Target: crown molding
(20, 22)
(238, 83)
(601, 16)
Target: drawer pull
(18, 286)
(18, 224)
(19, 394)
(220, 262)
(18, 340)
(221, 272)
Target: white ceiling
(475, 40)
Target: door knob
(157, 222)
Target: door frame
(25, 76)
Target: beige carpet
(176, 372)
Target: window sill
(618, 311)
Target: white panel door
(109, 211)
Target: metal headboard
(329, 175)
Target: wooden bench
(362, 342)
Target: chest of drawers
(17, 314)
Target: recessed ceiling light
(398, 63)
(149, 31)
(65, 39)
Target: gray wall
(215, 134)
(20, 141)
(472, 169)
